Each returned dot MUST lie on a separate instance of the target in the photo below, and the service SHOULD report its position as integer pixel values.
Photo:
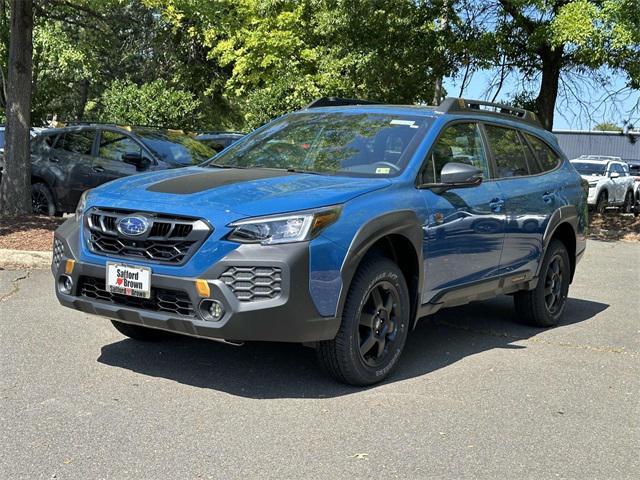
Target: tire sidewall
(51, 206)
(555, 248)
(380, 270)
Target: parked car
(338, 227)
(610, 184)
(67, 161)
(218, 141)
(634, 171)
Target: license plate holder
(128, 280)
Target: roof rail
(338, 102)
(457, 105)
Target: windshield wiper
(302, 170)
(219, 165)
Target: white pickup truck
(610, 184)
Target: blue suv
(337, 226)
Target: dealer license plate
(128, 280)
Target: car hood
(199, 191)
(593, 178)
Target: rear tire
(543, 306)
(42, 201)
(138, 332)
(374, 327)
(602, 202)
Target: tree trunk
(546, 101)
(15, 189)
(84, 95)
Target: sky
(598, 105)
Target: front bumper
(289, 317)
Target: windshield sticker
(407, 123)
(383, 170)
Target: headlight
(82, 205)
(295, 227)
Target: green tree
(280, 54)
(607, 127)
(557, 42)
(153, 103)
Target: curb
(24, 259)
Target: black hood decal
(205, 180)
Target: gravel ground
(476, 395)
(28, 233)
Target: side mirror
(456, 175)
(136, 159)
(614, 175)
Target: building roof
(576, 142)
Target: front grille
(250, 284)
(161, 300)
(58, 252)
(168, 240)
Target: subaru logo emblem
(133, 226)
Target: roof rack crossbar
(339, 102)
(456, 105)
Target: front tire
(543, 306)
(138, 332)
(374, 327)
(42, 202)
(602, 202)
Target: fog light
(211, 310)
(65, 284)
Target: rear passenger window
(508, 152)
(77, 142)
(460, 143)
(547, 158)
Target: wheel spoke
(547, 290)
(368, 344)
(381, 344)
(388, 304)
(366, 319)
(377, 298)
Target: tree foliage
(153, 103)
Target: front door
(109, 163)
(464, 233)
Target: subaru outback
(338, 227)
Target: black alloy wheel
(377, 330)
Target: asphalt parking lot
(476, 395)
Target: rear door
(71, 158)
(532, 192)
(621, 183)
(112, 146)
(465, 228)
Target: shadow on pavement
(279, 370)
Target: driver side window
(460, 143)
(114, 145)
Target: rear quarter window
(508, 151)
(547, 158)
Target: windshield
(358, 144)
(585, 168)
(176, 147)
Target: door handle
(98, 169)
(54, 159)
(496, 205)
(548, 197)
